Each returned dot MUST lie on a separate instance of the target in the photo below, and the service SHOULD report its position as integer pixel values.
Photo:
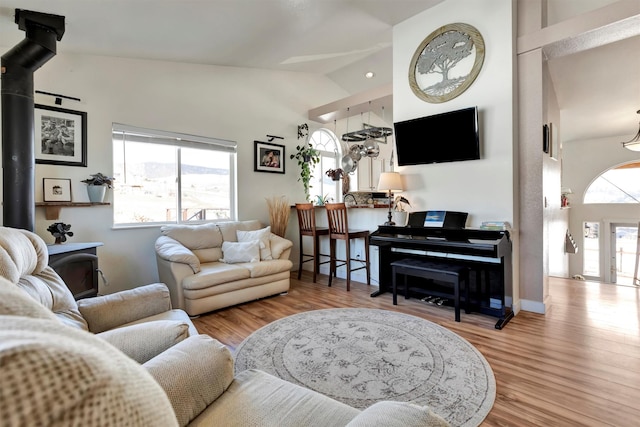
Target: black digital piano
(487, 254)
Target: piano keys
(487, 253)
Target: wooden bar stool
(307, 226)
(339, 230)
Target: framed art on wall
(60, 136)
(446, 63)
(56, 190)
(268, 157)
(554, 142)
(545, 138)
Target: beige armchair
(140, 322)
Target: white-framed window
(325, 141)
(165, 177)
(620, 184)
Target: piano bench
(440, 271)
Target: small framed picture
(60, 136)
(268, 157)
(56, 190)
(554, 148)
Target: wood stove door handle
(104, 279)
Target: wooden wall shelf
(52, 209)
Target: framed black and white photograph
(268, 157)
(60, 136)
(554, 143)
(545, 138)
(56, 190)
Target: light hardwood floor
(577, 365)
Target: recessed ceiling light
(369, 74)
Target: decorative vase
(400, 218)
(96, 193)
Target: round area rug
(361, 356)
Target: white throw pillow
(261, 235)
(233, 252)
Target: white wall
(556, 219)
(484, 188)
(223, 102)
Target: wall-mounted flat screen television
(447, 137)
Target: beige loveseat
(216, 265)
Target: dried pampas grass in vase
(279, 211)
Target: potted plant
(279, 211)
(400, 213)
(60, 231)
(335, 174)
(97, 185)
(399, 204)
(321, 201)
(307, 158)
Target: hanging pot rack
(365, 143)
(368, 132)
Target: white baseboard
(533, 306)
(358, 276)
(514, 307)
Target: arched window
(322, 185)
(620, 184)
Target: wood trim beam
(372, 100)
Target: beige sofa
(216, 265)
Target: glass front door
(591, 251)
(624, 244)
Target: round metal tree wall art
(446, 63)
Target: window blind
(138, 134)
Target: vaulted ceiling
(598, 89)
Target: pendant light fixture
(634, 144)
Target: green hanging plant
(307, 158)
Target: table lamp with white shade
(390, 182)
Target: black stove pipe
(18, 159)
